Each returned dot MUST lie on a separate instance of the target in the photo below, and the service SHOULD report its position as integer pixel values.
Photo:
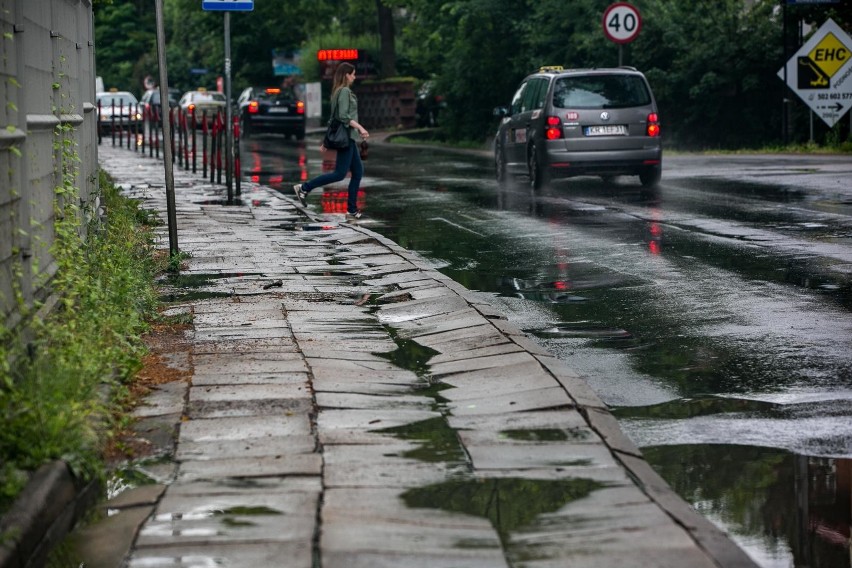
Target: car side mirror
(501, 111)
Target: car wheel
(650, 176)
(500, 165)
(245, 129)
(538, 176)
(300, 135)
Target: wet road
(713, 314)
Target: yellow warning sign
(820, 72)
(830, 54)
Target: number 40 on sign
(622, 22)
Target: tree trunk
(388, 43)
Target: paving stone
(229, 555)
(370, 420)
(378, 466)
(538, 399)
(327, 400)
(273, 446)
(164, 399)
(229, 365)
(259, 346)
(526, 373)
(258, 466)
(208, 379)
(476, 352)
(200, 409)
(487, 362)
(242, 428)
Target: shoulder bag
(337, 135)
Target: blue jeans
(348, 160)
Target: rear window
(273, 94)
(210, 96)
(601, 91)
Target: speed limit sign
(622, 22)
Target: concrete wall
(47, 78)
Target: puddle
(440, 442)
(782, 508)
(509, 503)
(546, 435)
(308, 226)
(409, 355)
(581, 331)
(693, 407)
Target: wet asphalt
(351, 406)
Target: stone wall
(386, 104)
(47, 79)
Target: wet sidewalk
(349, 406)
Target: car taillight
(191, 107)
(253, 107)
(300, 107)
(653, 125)
(554, 128)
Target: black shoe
(297, 189)
(353, 216)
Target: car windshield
(117, 99)
(600, 91)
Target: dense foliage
(712, 63)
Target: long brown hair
(340, 74)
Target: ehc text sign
(821, 72)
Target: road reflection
(788, 509)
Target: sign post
(621, 24)
(820, 73)
(171, 214)
(228, 6)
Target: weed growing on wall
(59, 385)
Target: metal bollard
(204, 134)
(236, 170)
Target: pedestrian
(344, 107)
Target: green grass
(63, 375)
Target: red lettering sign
(337, 54)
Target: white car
(201, 102)
(117, 109)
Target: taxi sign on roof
(821, 72)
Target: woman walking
(344, 107)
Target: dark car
(150, 100)
(570, 122)
(271, 109)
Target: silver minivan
(570, 122)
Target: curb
(47, 509)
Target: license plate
(606, 130)
(275, 110)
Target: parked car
(569, 122)
(150, 100)
(271, 109)
(202, 101)
(117, 109)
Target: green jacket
(345, 108)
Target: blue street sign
(228, 5)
